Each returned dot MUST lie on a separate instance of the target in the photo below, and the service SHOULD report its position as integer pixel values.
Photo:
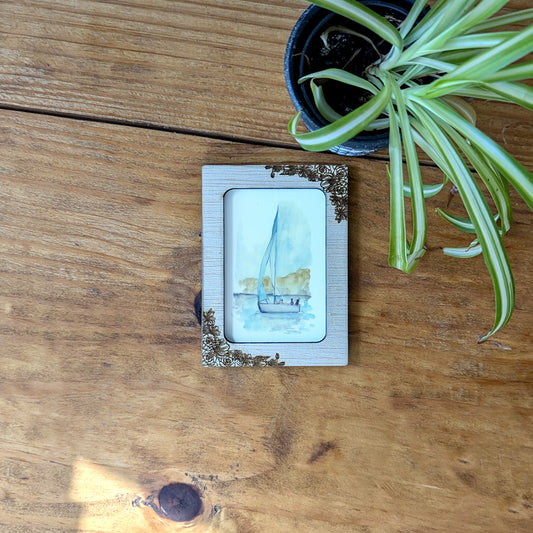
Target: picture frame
(274, 265)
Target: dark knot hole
(180, 502)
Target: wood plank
(207, 67)
(103, 398)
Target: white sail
(270, 258)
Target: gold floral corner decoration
(332, 178)
(216, 350)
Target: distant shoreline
(270, 295)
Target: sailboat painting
(276, 303)
(275, 265)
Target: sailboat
(276, 304)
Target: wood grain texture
(213, 68)
(103, 398)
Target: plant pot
(303, 56)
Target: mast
(274, 264)
(261, 293)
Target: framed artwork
(274, 265)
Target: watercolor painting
(275, 265)
(274, 302)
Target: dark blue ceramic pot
(302, 43)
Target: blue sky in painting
(253, 225)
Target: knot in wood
(180, 502)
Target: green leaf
(416, 249)
(461, 223)
(428, 190)
(426, 23)
(498, 188)
(437, 89)
(516, 93)
(471, 17)
(457, 17)
(477, 40)
(342, 129)
(510, 92)
(421, 136)
(488, 62)
(409, 72)
(464, 253)
(338, 74)
(479, 213)
(365, 16)
(484, 66)
(458, 57)
(517, 175)
(475, 92)
(431, 64)
(420, 140)
(412, 16)
(515, 72)
(483, 10)
(523, 15)
(378, 124)
(322, 106)
(397, 236)
(462, 107)
(439, 17)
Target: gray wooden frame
(216, 349)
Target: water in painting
(275, 265)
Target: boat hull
(278, 307)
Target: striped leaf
(342, 129)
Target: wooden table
(108, 110)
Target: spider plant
(456, 50)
